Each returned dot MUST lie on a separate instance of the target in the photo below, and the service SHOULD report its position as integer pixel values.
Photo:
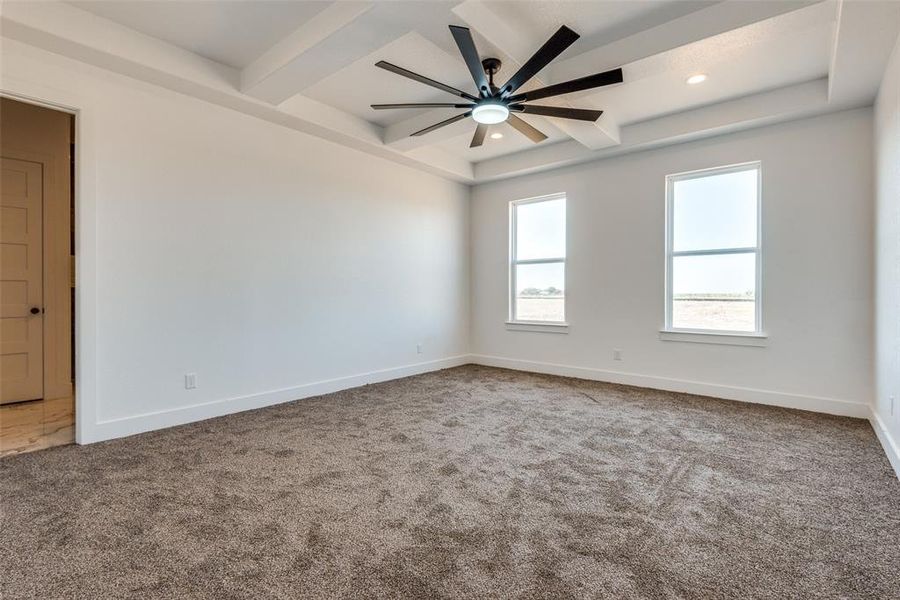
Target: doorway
(37, 401)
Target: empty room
(450, 299)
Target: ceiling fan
(494, 104)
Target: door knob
(35, 310)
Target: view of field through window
(540, 308)
(539, 267)
(713, 250)
(721, 313)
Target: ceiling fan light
(490, 113)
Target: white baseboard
(890, 445)
(833, 406)
(116, 428)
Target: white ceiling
(360, 84)
(313, 62)
(598, 22)
(763, 56)
(232, 32)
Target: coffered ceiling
(310, 66)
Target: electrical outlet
(190, 381)
(418, 348)
(617, 354)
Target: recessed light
(497, 136)
(695, 79)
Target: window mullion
(715, 251)
(539, 261)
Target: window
(713, 250)
(538, 260)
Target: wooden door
(21, 281)
(36, 246)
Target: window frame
(671, 253)
(513, 320)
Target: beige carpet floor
(466, 483)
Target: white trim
(890, 445)
(671, 253)
(116, 428)
(833, 406)
(709, 337)
(537, 326)
(543, 198)
(513, 262)
(706, 172)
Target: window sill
(727, 339)
(537, 327)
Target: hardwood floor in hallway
(37, 424)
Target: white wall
(817, 280)
(887, 258)
(260, 258)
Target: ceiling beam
(314, 31)
(340, 35)
(865, 36)
(306, 56)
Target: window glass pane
(541, 229)
(540, 292)
(718, 211)
(714, 292)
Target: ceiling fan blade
(576, 85)
(442, 124)
(422, 79)
(558, 111)
(420, 105)
(558, 42)
(466, 44)
(478, 138)
(526, 129)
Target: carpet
(471, 482)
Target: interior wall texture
(887, 251)
(260, 258)
(817, 228)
